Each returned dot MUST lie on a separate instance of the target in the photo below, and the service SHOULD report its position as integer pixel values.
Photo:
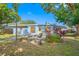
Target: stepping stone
(19, 50)
(34, 43)
(24, 41)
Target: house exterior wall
(14, 30)
(23, 30)
(20, 31)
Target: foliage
(53, 38)
(64, 12)
(29, 22)
(15, 8)
(7, 15)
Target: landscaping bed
(51, 47)
(22, 48)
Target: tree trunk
(77, 28)
(16, 30)
(1, 29)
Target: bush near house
(5, 31)
(53, 38)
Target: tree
(15, 7)
(67, 13)
(29, 22)
(7, 15)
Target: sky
(30, 11)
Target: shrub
(53, 38)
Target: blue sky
(29, 11)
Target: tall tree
(67, 13)
(15, 7)
(7, 15)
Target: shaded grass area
(68, 48)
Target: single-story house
(23, 29)
(28, 28)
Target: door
(32, 29)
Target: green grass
(53, 38)
(6, 36)
(68, 48)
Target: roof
(14, 24)
(26, 25)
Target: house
(23, 29)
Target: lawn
(68, 48)
(6, 36)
